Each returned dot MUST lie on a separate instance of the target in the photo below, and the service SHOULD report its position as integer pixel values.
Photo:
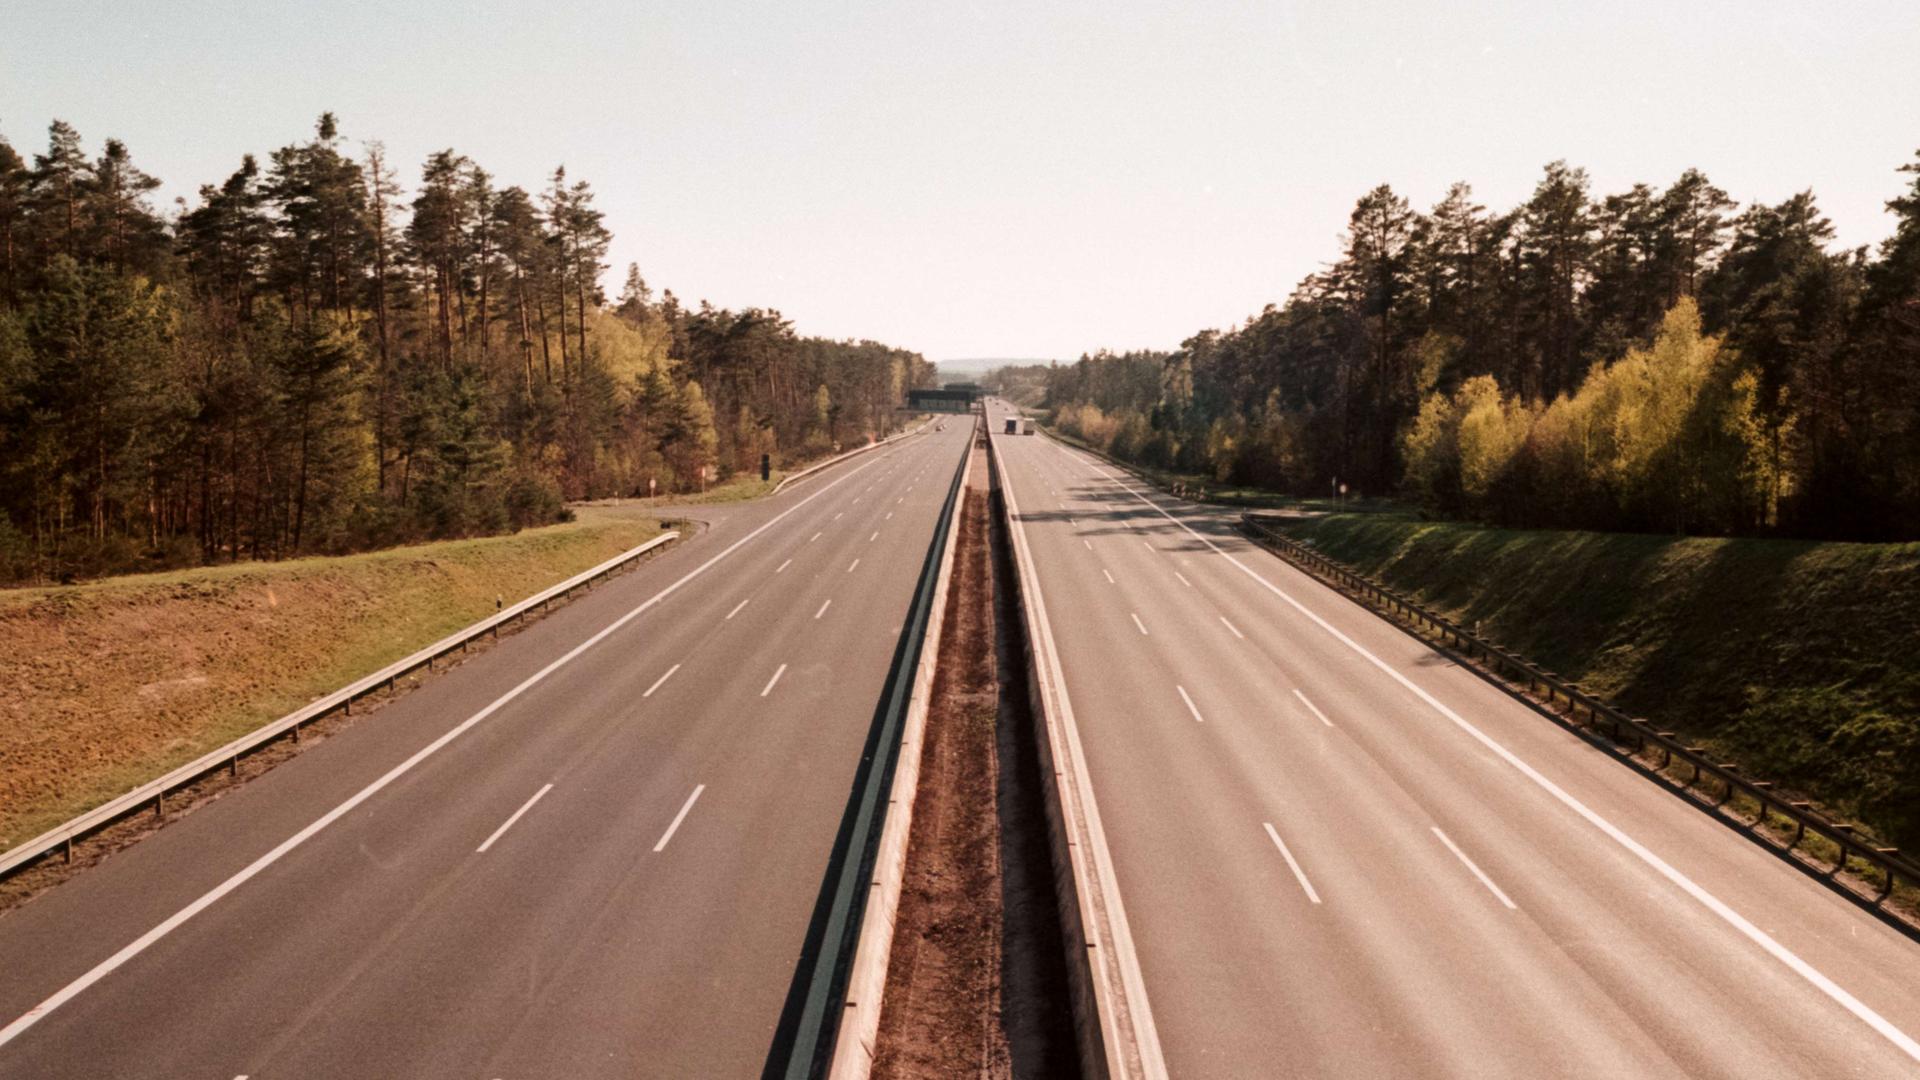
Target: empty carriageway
(1341, 855)
(592, 850)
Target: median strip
(833, 1002)
(1113, 1019)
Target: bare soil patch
(976, 985)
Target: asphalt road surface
(1343, 856)
(591, 851)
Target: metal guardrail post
(1890, 865)
(62, 836)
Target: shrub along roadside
(1794, 658)
(113, 683)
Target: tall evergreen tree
(1555, 244)
(14, 184)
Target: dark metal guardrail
(61, 838)
(803, 1041)
(1711, 784)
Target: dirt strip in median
(977, 984)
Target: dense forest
(1656, 359)
(312, 358)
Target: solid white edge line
(1138, 623)
(145, 941)
(1120, 933)
(1191, 707)
(1311, 707)
(1298, 874)
(1235, 629)
(823, 607)
(1484, 879)
(1834, 992)
(657, 682)
(854, 1043)
(736, 610)
(508, 824)
(768, 689)
(678, 818)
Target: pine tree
(56, 193)
(323, 240)
(122, 228)
(14, 182)
(437, 243)
(1693, 226)
(517, 236)
(225, 240)
(1555, 243)
(634, 296)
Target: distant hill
(976, 369)
(1024, 387)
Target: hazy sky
(999, 179)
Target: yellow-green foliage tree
(1492, 429)
(692, 446)
(820, 432)
(1668, 437)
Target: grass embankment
(738, 488)
(1796, 659)
(112, 683)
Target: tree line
(312, 357)
(1655, 359)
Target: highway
(1341, 855)
(591, 850)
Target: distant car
(1026, 426)
(1013, 425)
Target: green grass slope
(1797, 659)
(112, 683)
